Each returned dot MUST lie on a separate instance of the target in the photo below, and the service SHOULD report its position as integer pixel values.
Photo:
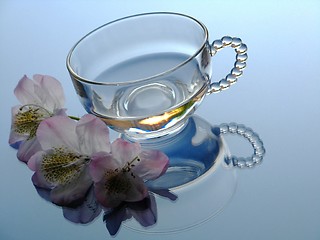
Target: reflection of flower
(67, 149)
(120, 176)
(85, 212)
(144, 211)
(40, 98)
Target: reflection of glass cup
(145, 74)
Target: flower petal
(49, 91)
(35, 164)
(84, 213)
(25, 91)
(15, 138)
(152, 164)
(119, 188)
(148, 216)
(114, 218)
(123, 151)
(58, 131)
(60, 112)
(27, 149)
(72, 193)
(100, 162)
(43, 192)
(45, 91)
(93, 135)
(163, 192)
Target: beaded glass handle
(252, 137)
(239, 65)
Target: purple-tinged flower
(119, 176)
(40, 98)
(144, 211)
(84, 212)
(68, 147)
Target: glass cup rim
(83, 79)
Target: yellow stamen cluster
(61, 166)
(28, 119)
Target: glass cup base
(192, 151)
(213, 190)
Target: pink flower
(68, 147)
(119, 176)
(40, 98)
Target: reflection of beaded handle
(253, 138)
(239, 65)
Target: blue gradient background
(278, 96)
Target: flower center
(28, 119)
(118, 180)
(61, 166)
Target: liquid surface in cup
(153, 104)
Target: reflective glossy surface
(277, 96)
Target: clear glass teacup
(144, 75)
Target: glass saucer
(202, 197)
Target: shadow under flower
(144, 211)
(85, 211)
(82, 212)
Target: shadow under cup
(143, 75)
